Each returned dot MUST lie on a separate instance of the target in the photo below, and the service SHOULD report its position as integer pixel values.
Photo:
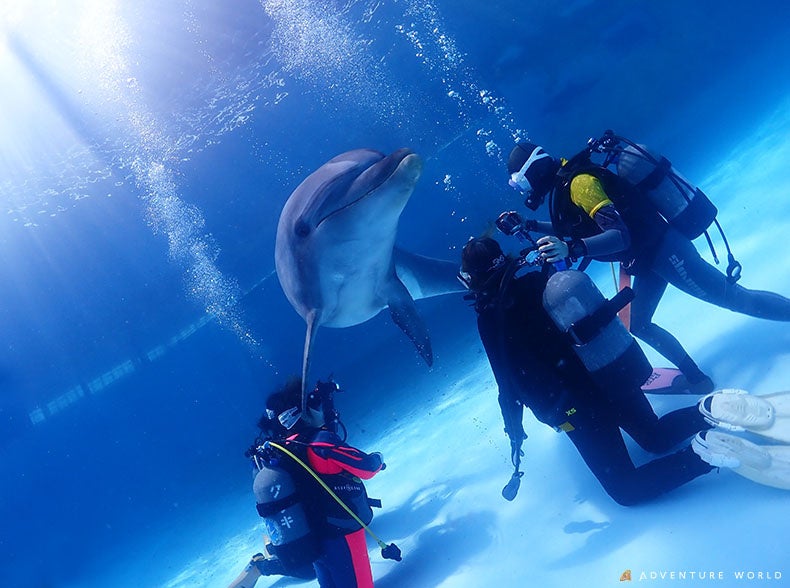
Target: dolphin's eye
(302, 229)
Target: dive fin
(765, 464)
(672, 381)
(404, 313)
(767, 415)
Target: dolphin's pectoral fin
(311, 319)
(404, 313)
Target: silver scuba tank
(608, 351)
(277, 503)
(684, 206)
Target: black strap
(655, 177)
(587, 328)
(584, 263)
(267, 509)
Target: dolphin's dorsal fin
(404, 313)
(312, 320)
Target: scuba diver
(309, 491)
(596, 213)
(556, 346)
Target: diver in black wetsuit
(535, 366)
(309, 490)
(594, 216)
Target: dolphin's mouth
(370, 179)
(378, 173)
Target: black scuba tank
(608, 351)
(284, 516)
(685, 207)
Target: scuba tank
(685, 207)
(608, 351)
(284, 516)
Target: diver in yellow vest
(596, 214)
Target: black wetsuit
(535, 366)
(677, 261)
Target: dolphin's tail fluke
(425, 277)
(312, 320)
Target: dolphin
(335, 253)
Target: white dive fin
(765, 464)
(767, 415)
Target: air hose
(390, 551)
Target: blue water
(146, 149)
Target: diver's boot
(692, 379)
(268, 563)
(699, 387)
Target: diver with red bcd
(310, 493)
